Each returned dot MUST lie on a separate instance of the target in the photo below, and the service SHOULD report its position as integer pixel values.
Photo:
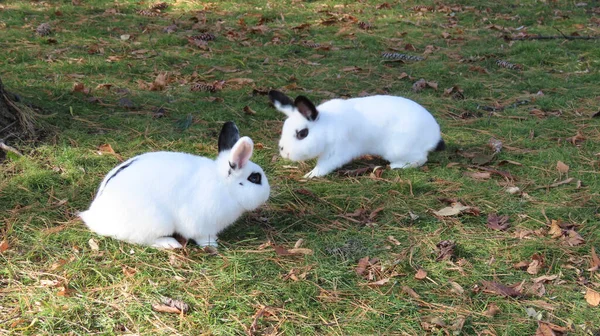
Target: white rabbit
(337, 131)
(151, 197)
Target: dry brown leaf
(93, 244)
(128, 271)
(249, 110)
(106, 149)
(393, 240)
(410, 292)
(536, 264)
(544, 278)
(574, 238)
(378, 282)
(445, 250)
(594, 264)
(478, 175)
(521, 265)
(80, 87)
(592, 297)
(162, 308)
(160, 82)
(496, 222)
(300, 251)
(549, 329)
(492, 310)
(453, 210)
(351, 69)
(456, 288)
(363, 263)
(421, 274)
(555, 229)
(3, 246)
(562, 167)
(49, 283)
(500, 289)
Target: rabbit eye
(255, 178)
(301, 134)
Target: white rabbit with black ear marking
(151, 197)
(339, 130)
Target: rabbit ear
(241, 153)
(229, 136)
(306, 108)
(281, 102)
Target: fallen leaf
(522, 265)
(478, 175)
(536, 264)
(393, 240)
(3, 246)
(128, 271)
(500, 289)
(80, 87)
(496, 222)
(556, 184)
(300, 251)
(379, 282)
(562, 168)
(410, 292)
(248, 110)
(384, 5)
(576, 139)
(492, 310)
(169, 305)
(49, 283)
(537, 315)
(419, 85)
(363, 263)
(240, 81)
(544, 278)
(453, 210)
(302, 26)
(592, 297)
(573, 238)
(549, 329)
(351, 69)
(445, 250)
(93, 244)
(160, 82)
(456, 288)
(555, 229)
(421, 274)
(106, 149)
(594, 264)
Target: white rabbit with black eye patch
(152, 197)
(339, 130)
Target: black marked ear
(277, 96)
(306, 108)
(229, 136)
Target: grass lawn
(117, 79)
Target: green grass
(111, 290)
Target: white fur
(161, 193)
(398, 129)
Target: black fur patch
(440, 146)
(255, 178)
(118, 171)
(229, 136)
(284, 100)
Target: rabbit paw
(313, 173)
(167, 243)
